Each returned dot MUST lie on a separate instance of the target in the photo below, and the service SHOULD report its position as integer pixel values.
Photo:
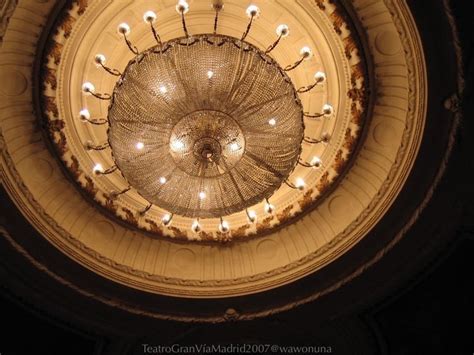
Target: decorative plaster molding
(57, 130)
(254, 278)
(7, 7)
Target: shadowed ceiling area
(354, 237)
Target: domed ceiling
(268, 156)
(209, 152)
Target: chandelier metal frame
(182, 8)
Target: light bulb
(97, 169)
(162, 180)
(139, 145)
(163, 89)
(272, 121)
(316, 162)
(99, 59)
(182, 7)
(202, 195)
(224, 226)
(196, 227)
(234, 146)
(166, 219)
(320, 77)
(282, 30)
(84, 115)
(327, 110)
(306, 52)
(300, 184)
(253, 11)
(210, 74)
(252, 216)
(149, 17)
(269, 208)
(88, 87)
(177, 145)
(123, 29)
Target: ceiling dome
(301, 143)
(246, 123)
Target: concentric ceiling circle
(254, 127)
(196, 129)
(348, 210)
(341, 202)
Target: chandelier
(205, 125)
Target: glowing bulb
(316, 162)
(177, 145)
(140, 145)
(163, 89)
(88, 87)
(327, 110)
(166, 219)
(182, 7)
(272, 121)
(269, 208)
(210, 74)
(98, 169)
(202, 195)
(320, 77)
(252, 216)
(306, 52)
(99, 59)
(282, 30)
(123, 29)
(84, 115)
(162, 180)
(300, 184)
(149, 17)
(196, 227)
(253, 11)
(224, 227)
(234, 146)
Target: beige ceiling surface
(102, 17)
(33, 177)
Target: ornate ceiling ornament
(194, 128)
(365, 150)
(199, 147)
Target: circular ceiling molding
(375, 132)
(331, 131)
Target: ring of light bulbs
(182, 7)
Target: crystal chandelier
(205, 125)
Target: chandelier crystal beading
(205, 125)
